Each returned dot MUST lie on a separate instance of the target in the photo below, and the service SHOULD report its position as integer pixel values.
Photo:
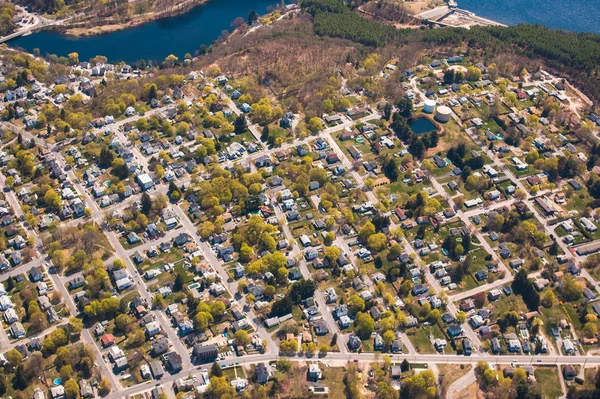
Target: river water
(203, 24)
(573, 15)
(152, 41)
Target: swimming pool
(57, 381)
(360, 139)
(193, 286)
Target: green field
(547, 379)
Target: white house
(152, 329)
(145, 181)
(5, 302)
(11, 316)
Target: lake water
(421, 125)
(574, 15)
(152, 41)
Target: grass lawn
(230, 373)
(590, 378)
(420, 340)
(125, 244)
(297, 314)
(333, 377)
(508, 303)
(172, 256)
(555, 314)
(186, 276)
(547, 378)
(529, 170)
(401, 188)
(578, 201)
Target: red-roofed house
(107, 340)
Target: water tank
(443, 114)
(429, 106)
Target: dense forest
(45, 6)
(575, 54)
(7, 17)
(333, 18)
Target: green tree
(216, 370)
(288, 347)
(252, 17)
(66, 371)
(52, 200)
(9, 182)
(220, 388)
(106, 158)
(14, 357)
(124, 323)
(405, 108)
(152, 91)
(548, 299)
(323, 350)
(217, 309)
(75, 325)
(71, 388)
(388, 338)
(158, 301)
(315, 124)
(355, 304)
(118, 264)
(377, 242)
(105, 387)
(146, 204)
(202, 320)
(332, 253)
(242, 337)
(269, 291)
(364, 325)
(366, 231)
(119, 168)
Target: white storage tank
(429, 106)
(443, 114)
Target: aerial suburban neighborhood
(415, 227)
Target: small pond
(422, 125)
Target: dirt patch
(417, 7)
(450, 373)
(472, 391)
(98, 30)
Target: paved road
(457, 386)
(339, 359)
(38, 23)
(230, 285)
(295, 252)
(253, 128)
(105, 370)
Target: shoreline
(465, 19)
(79, 29)
(490, 21)
(456, 16)
(451, 15)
